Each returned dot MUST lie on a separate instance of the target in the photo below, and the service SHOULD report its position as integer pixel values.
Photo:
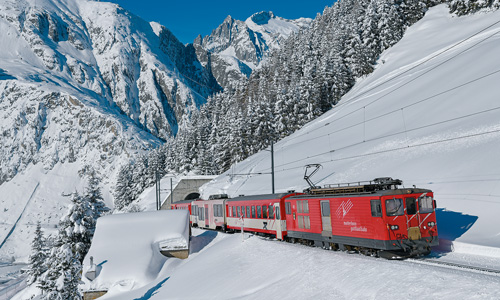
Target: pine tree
(60, 281)
(38, 255)
(94, 195)
(123, 190)
(64, 264)
(78, 226)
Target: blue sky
(188, 18)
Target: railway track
(456, 266)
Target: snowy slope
(428, 115)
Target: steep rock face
(153, 78)
(115, 66)
(235, 48)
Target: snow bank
(126, 248)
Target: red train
(376, 217)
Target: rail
(455, 266)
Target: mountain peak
(261, 18)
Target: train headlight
(394, 227)
(431, 224)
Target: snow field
(229, 267)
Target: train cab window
(288, 208)
(376, 208)
(325, 208)
(425, 205)
(253, 212)
(394, 207)
(411, 206)
(264, 211)
(259, 212)
(271, 212)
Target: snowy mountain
(95, 57)
(235, 48)
(82, 83)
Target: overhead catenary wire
(404, 107)
(350, 100)
(393, 149)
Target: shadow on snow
(199, 242)
(451, 225)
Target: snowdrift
(127, 249)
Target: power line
(403, 107)
(388, 150)
(348, 101)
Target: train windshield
(394, 207)
(425, 205)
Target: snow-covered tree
(64, 263)
(60, 281)
(38, 255)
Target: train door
(412, 219)
(279, 224)
(207, 216)
(326, 219)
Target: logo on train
(344, 208)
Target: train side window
(248, 211)
(288, 208)
(200, 211)
(394, 207)
(206, 213)
(253, 212)
(259, 212)
(271, 211)
(278, 214)
(238, 211)
(411, 206)
(264, 211)
(233, 211)
(216, 210)
(376, 208)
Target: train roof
(378, 193)
(259, 197)
(183, 202)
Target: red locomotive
(375, 217)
